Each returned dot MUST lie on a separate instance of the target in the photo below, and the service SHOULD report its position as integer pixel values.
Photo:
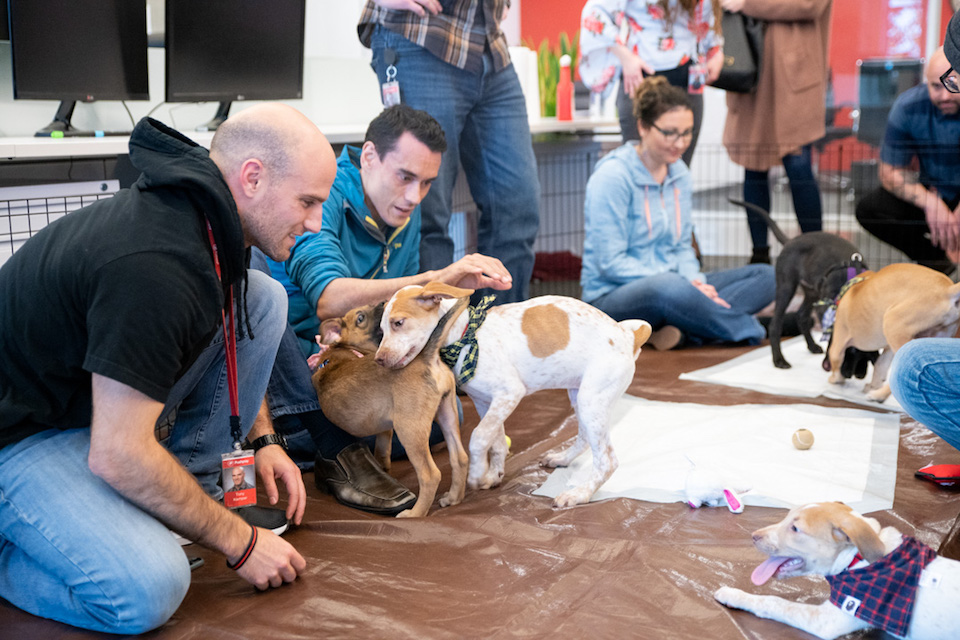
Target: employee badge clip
(390, 90)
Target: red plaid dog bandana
(882, 594)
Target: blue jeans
(925, 380)
(71, 548)
(484, 118)
(670, 299)
(803, 188)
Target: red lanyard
(230, 344)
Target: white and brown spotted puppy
(828, 539)
(550, 342)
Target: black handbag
(742, 53)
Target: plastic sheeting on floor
(505, 564)
(805, 378)
(853, 460)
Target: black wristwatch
(263, 441)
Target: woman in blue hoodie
(639, 260)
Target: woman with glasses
(781, 120)
(632, 39)
(639, 260)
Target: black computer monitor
(226, 50)
(880, 81)
(4, 27)
(78, 50)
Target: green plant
(548, 69)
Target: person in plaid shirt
(450, 59)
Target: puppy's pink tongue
(766, 570)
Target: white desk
(28, 148)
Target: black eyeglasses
(673, 136)
(949, 81)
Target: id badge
(390, 90)
(239, 478)
(697, 78)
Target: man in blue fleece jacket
(367, 249)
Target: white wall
(339, 85)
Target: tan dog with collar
(365, 399)
(824, 539)
(550, 342)
(888, 309)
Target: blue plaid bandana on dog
(882, 594)
(830, 315)
(450, 353)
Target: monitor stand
(223, 110)
(60, 127)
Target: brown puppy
(886, 310)
(360, 328)
(366, 399)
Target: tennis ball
(509, 442)
(802, 439)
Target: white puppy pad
(805, 379)
(853, 459)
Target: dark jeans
(902, 225)
(803, 187)
(484, 118)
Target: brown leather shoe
(950, 547)
(356, 480)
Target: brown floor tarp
(505, 564)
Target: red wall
(540, 19)
(861, 29)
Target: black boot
(356, 480)
(761, 255)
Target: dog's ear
(331, 330)
(857, 530)
(439, 290)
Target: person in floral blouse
(632, 39)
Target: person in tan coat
(778, 123)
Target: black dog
(813, 261)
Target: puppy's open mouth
(775, 566)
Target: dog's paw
(449, 499)
(879, 395)
(781, 364)
(836, 378)
(491, 479)
(408, 513)
(730, 597)
(555, 459)
(815, 348)
(572, 498)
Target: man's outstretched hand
(476, 271)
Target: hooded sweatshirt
(350, 244)
(636, 227)
(124, 288)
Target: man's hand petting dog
(475, 271)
